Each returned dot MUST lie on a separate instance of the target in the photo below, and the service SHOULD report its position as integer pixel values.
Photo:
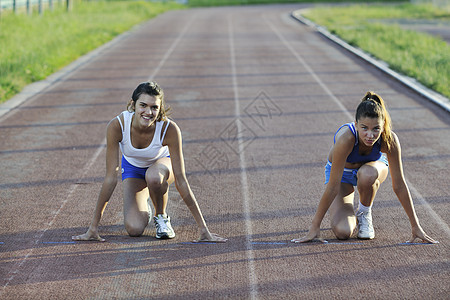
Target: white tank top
(142, 158)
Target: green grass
(33, 47)
(196, 3)
(370, 27)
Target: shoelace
(367, 222)
(162, 224)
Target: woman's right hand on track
(90, 235)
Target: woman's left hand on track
(418, 233)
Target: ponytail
(372, 106)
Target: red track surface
(286, 90)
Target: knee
(342, 232)
(343, 228)
(368, 177)
(156, 183)
(133, 229)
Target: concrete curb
(429, 94)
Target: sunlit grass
(415, 54)
(33, 47)
(195, 3)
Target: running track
(258, 97)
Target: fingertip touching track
(258, 97)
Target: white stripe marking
(39, 237)
(309, 69)
(427, 206)
(171, 49)
(85, 169)
(248, 224)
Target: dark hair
(152, 89)
(372, 106)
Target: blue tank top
(354, 156)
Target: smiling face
(147, 109)
(369, 130)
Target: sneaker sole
(165, 237)
(366, 238)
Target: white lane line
(431, 95)
(422, 200)
(171, 49)
(42, 233)
(427, 206)
(84, 170)
(253, 280)
(309, 69)
(58, 77)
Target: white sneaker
(163, 228)
(365, 227)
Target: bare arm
(173, 140)
(113, 137)
(339, 152)
(402, 191)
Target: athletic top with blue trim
(354, 156)
(142, 158)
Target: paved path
(258, 97)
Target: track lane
(282, 158)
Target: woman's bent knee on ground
(146, 137)
(358, 158)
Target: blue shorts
(349, 175)
(130, 171)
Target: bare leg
(343, 220)
(159, 176)
(370, 177)
(135, 208)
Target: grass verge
(375, 29)
(196, 3)
(33, 47)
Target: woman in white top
(152, 159)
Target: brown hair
(152, 89)
(372, 106)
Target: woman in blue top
(361, 156)
(152, 159)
